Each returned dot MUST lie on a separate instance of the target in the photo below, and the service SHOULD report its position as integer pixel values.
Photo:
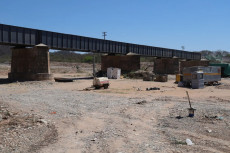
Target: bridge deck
(15, 36)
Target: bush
(88, 59)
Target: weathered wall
(30, 64)
(125, 63)
(166, 66)
(184, 64)
(175, 65)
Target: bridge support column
(191, 63)
(126, 63)
(30, 64)
(166, 66)
(175, 65)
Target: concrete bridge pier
(30, 64)
(166, 65)
(126, 63)
(175, 65)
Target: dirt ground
(122, 119)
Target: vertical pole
(104, 34)
(189, 99)
(94, 75)
(94, 72)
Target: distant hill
(67, 56)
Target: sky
(195, 24)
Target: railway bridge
(30, 58)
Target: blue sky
(195, 24)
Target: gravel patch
(87, 121)
(24, 132)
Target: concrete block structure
(184, 64)
(175, 65)
(126, 63)
(30, 64)
(166, 66)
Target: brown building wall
(125, 63)
(166, 66)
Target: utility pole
(182, 47)
(104, 34)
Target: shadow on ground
(5, 81)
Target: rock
(0, 117)
(148, 77)
(141, 102)
(7, 113)
(179, 117)
(161, 78)
(43, 121)
(219, 117)
(209, 130)
(146, 145)
(189, 142)
(94, 139)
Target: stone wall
(30, 64)
(184, 64)
(175, 65)
(166, 66)
(125, 63)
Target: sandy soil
(126, 118)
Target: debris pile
(148, 77)
(161, 78)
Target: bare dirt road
(124, 118)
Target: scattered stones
(20, 132)
(141, 102)
(77, 132)
(114, 114)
